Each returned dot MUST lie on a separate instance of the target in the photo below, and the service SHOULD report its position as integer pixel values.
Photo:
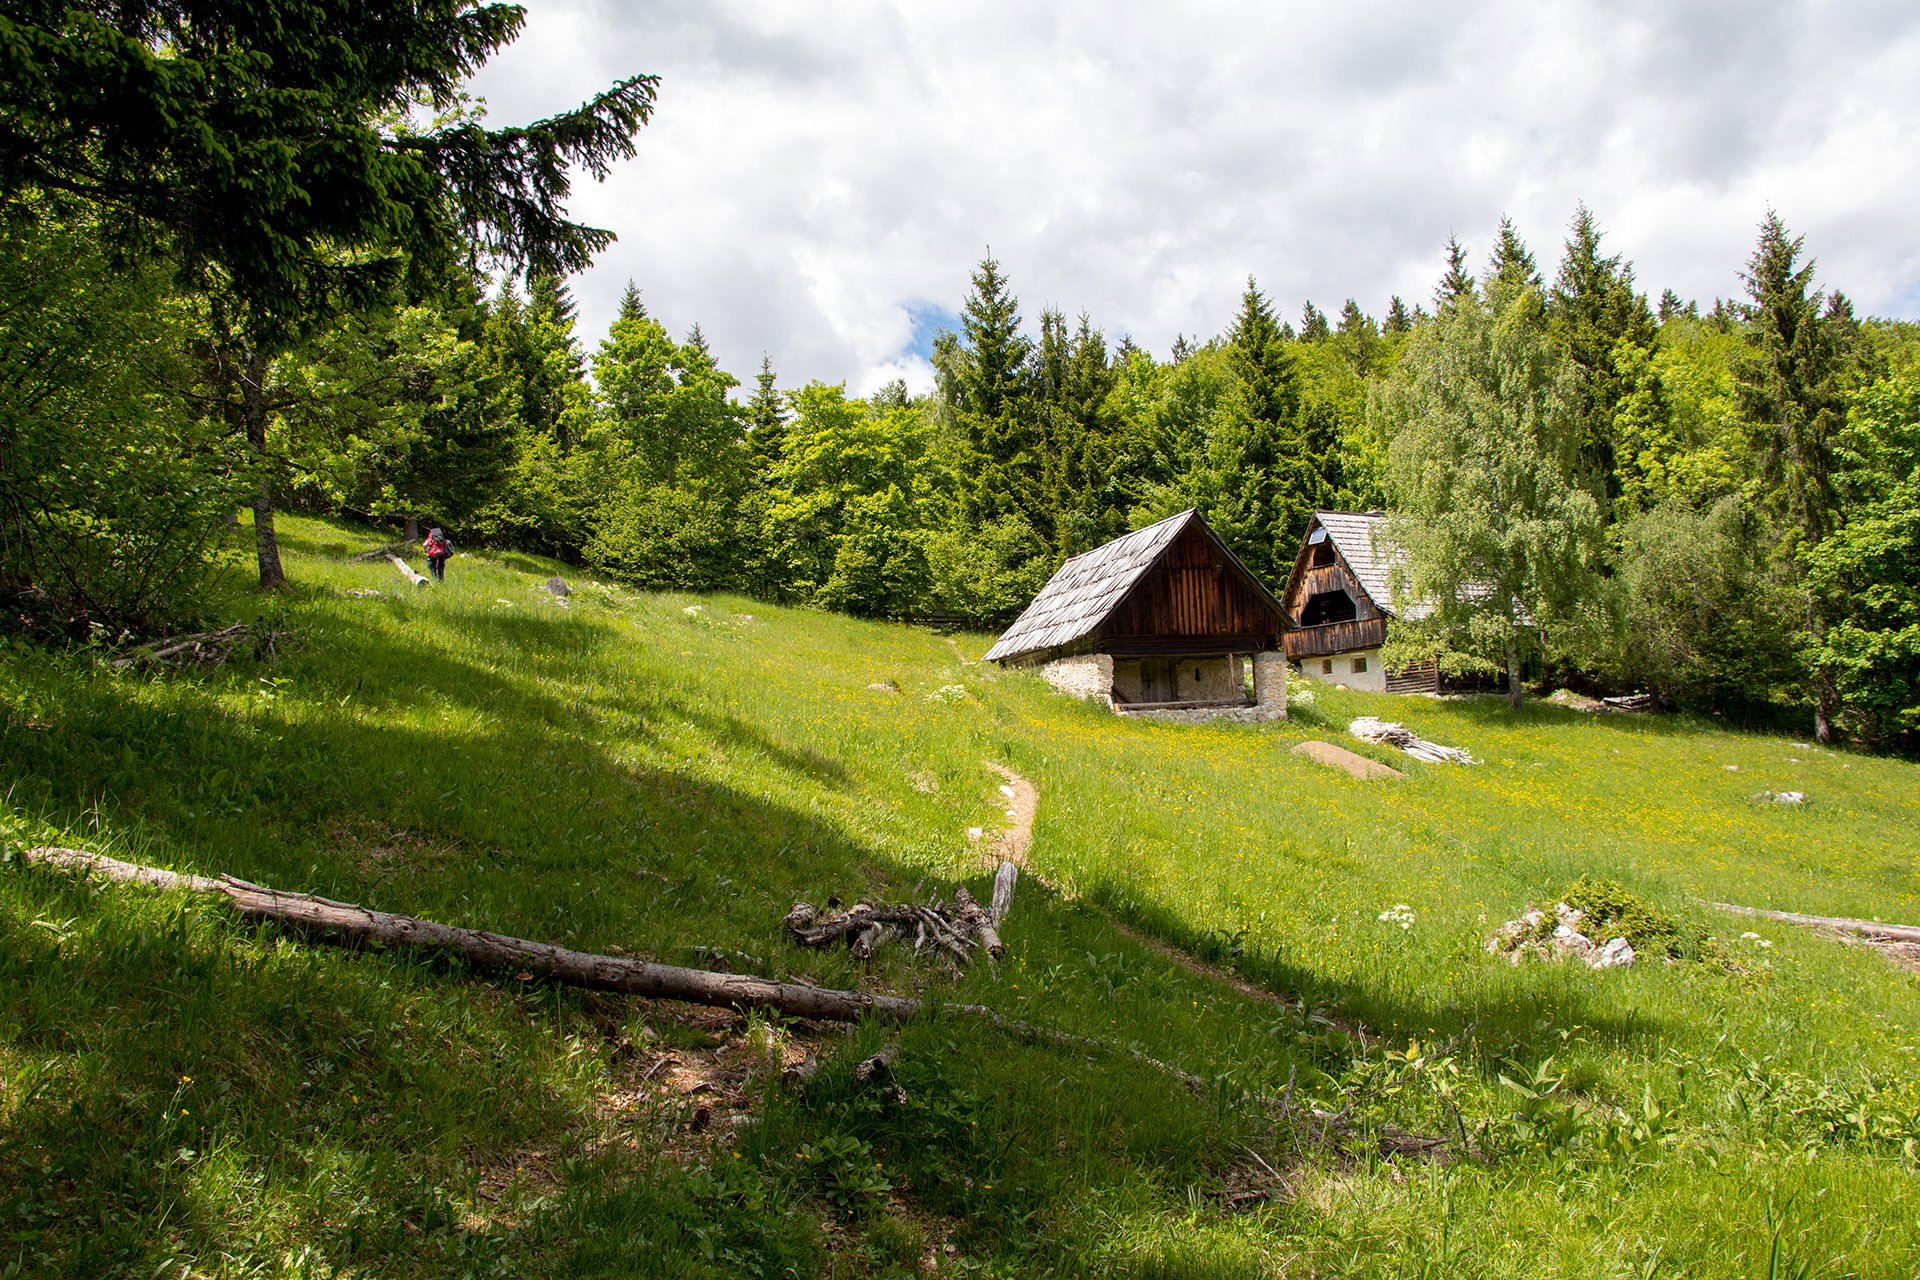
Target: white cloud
(818, 175)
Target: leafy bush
(1612, 911)
(680, 539)
(114, 497)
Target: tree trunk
(1826, 697)
(1516, 693)
(253, 403)
(343, 922)
(413, 527)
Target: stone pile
(1557, 936)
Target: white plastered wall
(1372, 680)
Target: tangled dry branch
(204, 648)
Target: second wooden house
(1338, 599)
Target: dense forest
(1720, 505)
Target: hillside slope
(665, 775)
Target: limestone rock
(1346, 761)
(1569, 941)
(1510, 935)
(1615, 955)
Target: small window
(1322, 556)
(1196, 675)
(1359, 666)
(1326, 666)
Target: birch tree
(1496, 537)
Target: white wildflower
(1399, 913)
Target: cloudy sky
(820, 178)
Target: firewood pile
(1370, 729)
(204, 648)
(955, 931)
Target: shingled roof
(1361, 537)
(1086, 589)
(1354, 533)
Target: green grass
(183, 1093)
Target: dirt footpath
(1017, 840)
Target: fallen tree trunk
(347, 924)
(378, 552)
(1866, 928)
(417, 579)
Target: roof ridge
(1131, 533)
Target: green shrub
(1613, 911)
(115, 490)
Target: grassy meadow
(185, 1094)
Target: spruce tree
(1398, 321)
(1313, 324)
(991, 322)
(1456, 282)
(1358, 338)
(1261, 364)
(1257, 482)
(559, 379)
(767, 416)
(1792, 390)
(1511, 268)
(1592, 309)
(631, 308)
(991, 381)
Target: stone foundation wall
(1202, 715)
(1270, 683)
(1084, 675)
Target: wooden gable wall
(1191, 601)
(1306, 582)
(1367, 630)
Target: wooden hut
(1162, 620)
(1338, 601)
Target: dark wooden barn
(1338, 599)
(1162, 619)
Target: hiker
(438, 549)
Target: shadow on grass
(187, 1085)
(1493, 1033)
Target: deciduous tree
(269, 147)
(1497, 538)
